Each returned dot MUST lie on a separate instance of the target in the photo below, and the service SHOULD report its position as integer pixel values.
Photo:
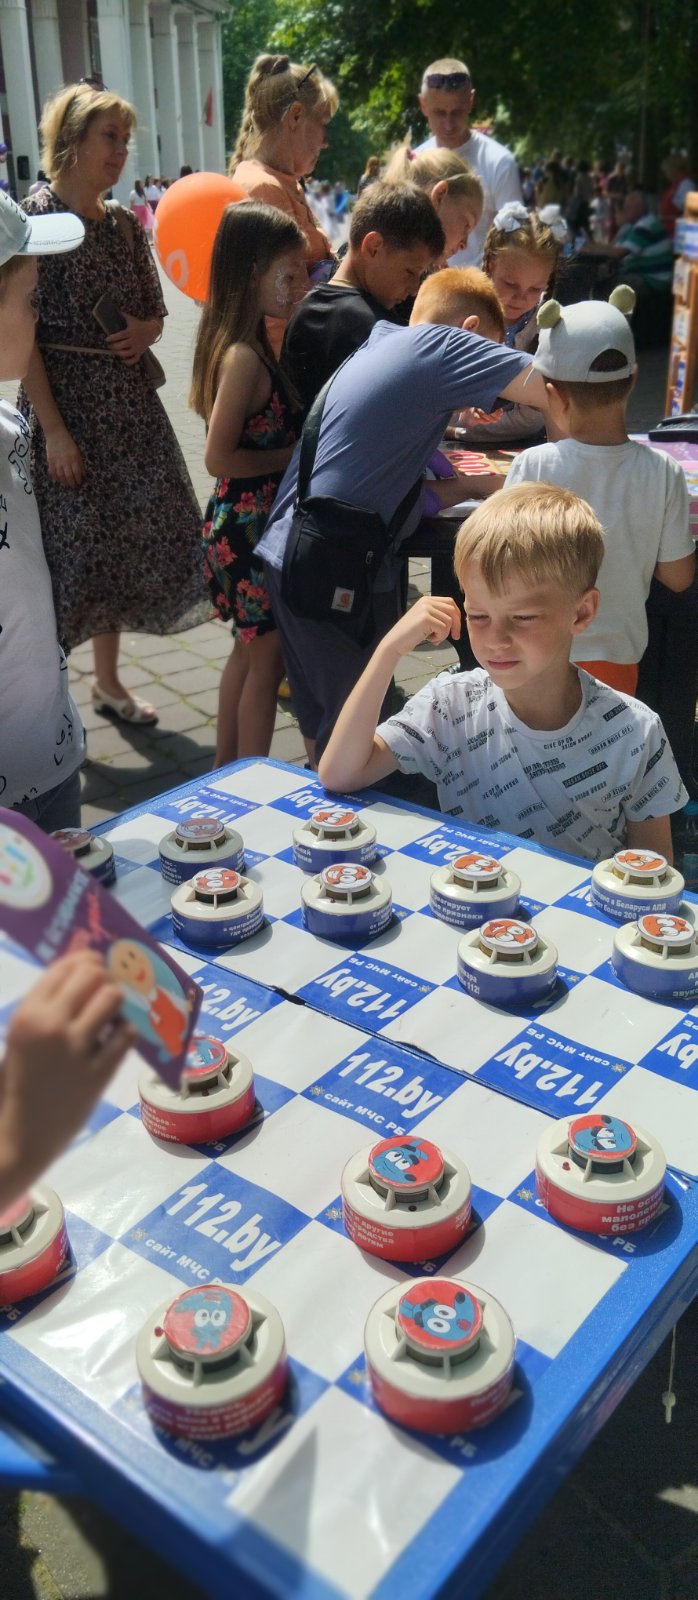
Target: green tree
(246, 34)
(579, 76)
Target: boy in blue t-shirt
(384, 417)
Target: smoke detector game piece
(215, 1097)
(440, 1355)
(196, 843)
(33, 1244)
(506, 961)
(212, 1362)
(405, 1199)
(635, 881)
(658, 956)
(333, 833)
(94, 854)
(473, 889)
(599, 1174)
(346, 901)
(217, 907)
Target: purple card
(50, 906)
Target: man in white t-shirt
(446, 100)
(42, 743)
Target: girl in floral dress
(258, 270)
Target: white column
(16, 59)
(167, 90)
(115, 54)
(143, 86)
(211, 81)
(47, 47)
(72, 22)
(192, 142)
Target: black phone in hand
(107, 313)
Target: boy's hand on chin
(432, 618)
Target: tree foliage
(579, 76)
(583, 76)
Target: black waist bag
(334, 549)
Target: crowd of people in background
(364, 326)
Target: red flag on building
(208, 109)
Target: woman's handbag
(335, 550)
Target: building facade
(162, 55)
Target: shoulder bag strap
(309, 444)
(310, 437)
(124, 222)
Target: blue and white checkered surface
(594, 1043)
(328, 1498)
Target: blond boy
(527, 743)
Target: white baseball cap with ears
(48, 235)
(573, 337)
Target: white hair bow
(554, 220)
(511, 216)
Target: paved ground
(627, 1516)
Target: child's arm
(65, 1041)
(243, 388)
(355, 756)
(527, 389)
(653, 833)
(466, 486)
(676, 575)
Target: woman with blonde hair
(287, 111)
(454, 189)
(120, 520)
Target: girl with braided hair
(287, 111)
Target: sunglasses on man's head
(447, 80)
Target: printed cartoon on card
(50, 906)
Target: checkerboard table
(328, 1498)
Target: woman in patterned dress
(258, 269)
(120, 520)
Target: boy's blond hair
(455, 293)
(66, 117)
(536, 530)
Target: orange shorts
(617, 674)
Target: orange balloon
(186, 224)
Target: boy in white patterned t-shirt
(528, 743)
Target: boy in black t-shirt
(395, 237)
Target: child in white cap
(586, 354)
(41, 735)
(67, 1037)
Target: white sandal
(130, 709)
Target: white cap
(46, 235)
(572, 337)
